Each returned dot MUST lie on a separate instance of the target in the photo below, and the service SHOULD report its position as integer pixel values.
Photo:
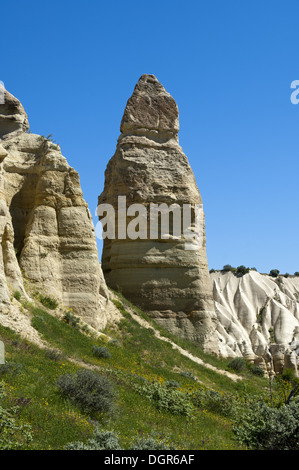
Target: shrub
(151, 443)
(109, 440)
(71, 319)
(215, 402)
(53, 354)
(17, 295)
(101, 440)
(296, 273)
(11, 367)
(48, 302)
(240, 270)
(169, 399)
(238, 364)
(271, 333)
(188, 375)
(256, 370)
(101, 351)
(172, 384)
(265, 428)
(91, 391)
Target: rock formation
(48, 240)
(258, 318)
(149, 167)
(13, 118)
(46, 230)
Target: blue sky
(228, 64)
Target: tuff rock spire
(149, 167)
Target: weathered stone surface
(258, 317)
(149, 167)
(46, 228)
(13, 118)
(151, 109)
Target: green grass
(137, 357)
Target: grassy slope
(31, 374)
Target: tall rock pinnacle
(46, 229)
(149, 168)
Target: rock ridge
(258, 318)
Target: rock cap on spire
(150, 108)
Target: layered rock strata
(46, 230)
(149, 168)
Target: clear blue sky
(228, 64)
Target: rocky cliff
(258, 318)
(46, 230)
(149, 168)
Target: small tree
(274, 272)
(241, 270)
(227, 268)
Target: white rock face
(258, 318)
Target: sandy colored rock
(46, 228)
(149, 167)
(13, 118)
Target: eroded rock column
(149, 168)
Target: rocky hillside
(163, 392)
(258, 318)
(48, 242)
